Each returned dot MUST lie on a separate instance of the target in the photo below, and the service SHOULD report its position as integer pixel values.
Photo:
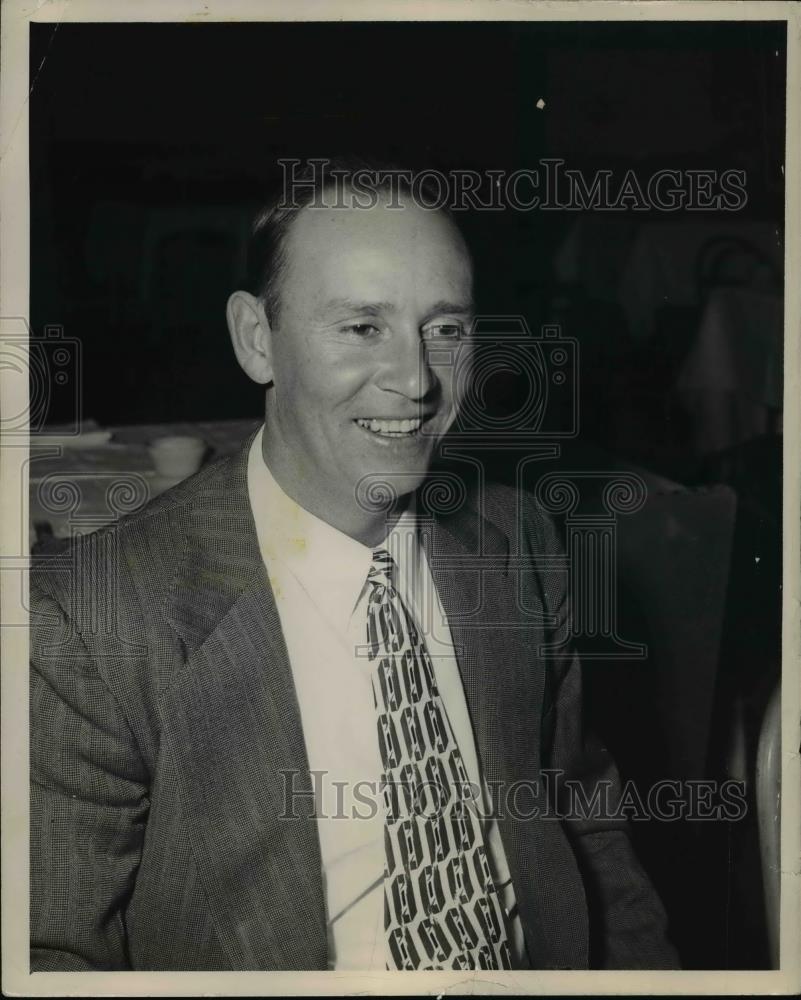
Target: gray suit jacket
(165, 729)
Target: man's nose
(406, 367)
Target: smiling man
(343, 348)
(269, 728)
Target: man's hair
(267, 257)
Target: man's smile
(391, 428)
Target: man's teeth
(390, 426)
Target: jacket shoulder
(143, 545)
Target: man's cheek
(457, 389)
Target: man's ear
(251, 336)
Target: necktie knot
(383, 571)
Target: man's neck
(369, 531)
(370, 527)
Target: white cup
(177, 456)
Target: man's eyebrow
(454, 308)
(373, 308)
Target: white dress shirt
(318, 577)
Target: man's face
(367, 296)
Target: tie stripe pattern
(441, 910)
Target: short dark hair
(266, 257)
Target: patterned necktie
(441, 910)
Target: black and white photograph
(400, 540)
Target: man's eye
(442, 330)
(360, 329)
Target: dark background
(152, 145)
(141, 133)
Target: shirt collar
(330, 566)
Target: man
(283, 725)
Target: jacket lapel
(497, 647)
(232, 723)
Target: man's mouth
(390, 428)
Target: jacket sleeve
(88, 802)
(626, 918)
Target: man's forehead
(403, 227)
(376, 260)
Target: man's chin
(391, 488)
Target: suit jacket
(166, 742)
